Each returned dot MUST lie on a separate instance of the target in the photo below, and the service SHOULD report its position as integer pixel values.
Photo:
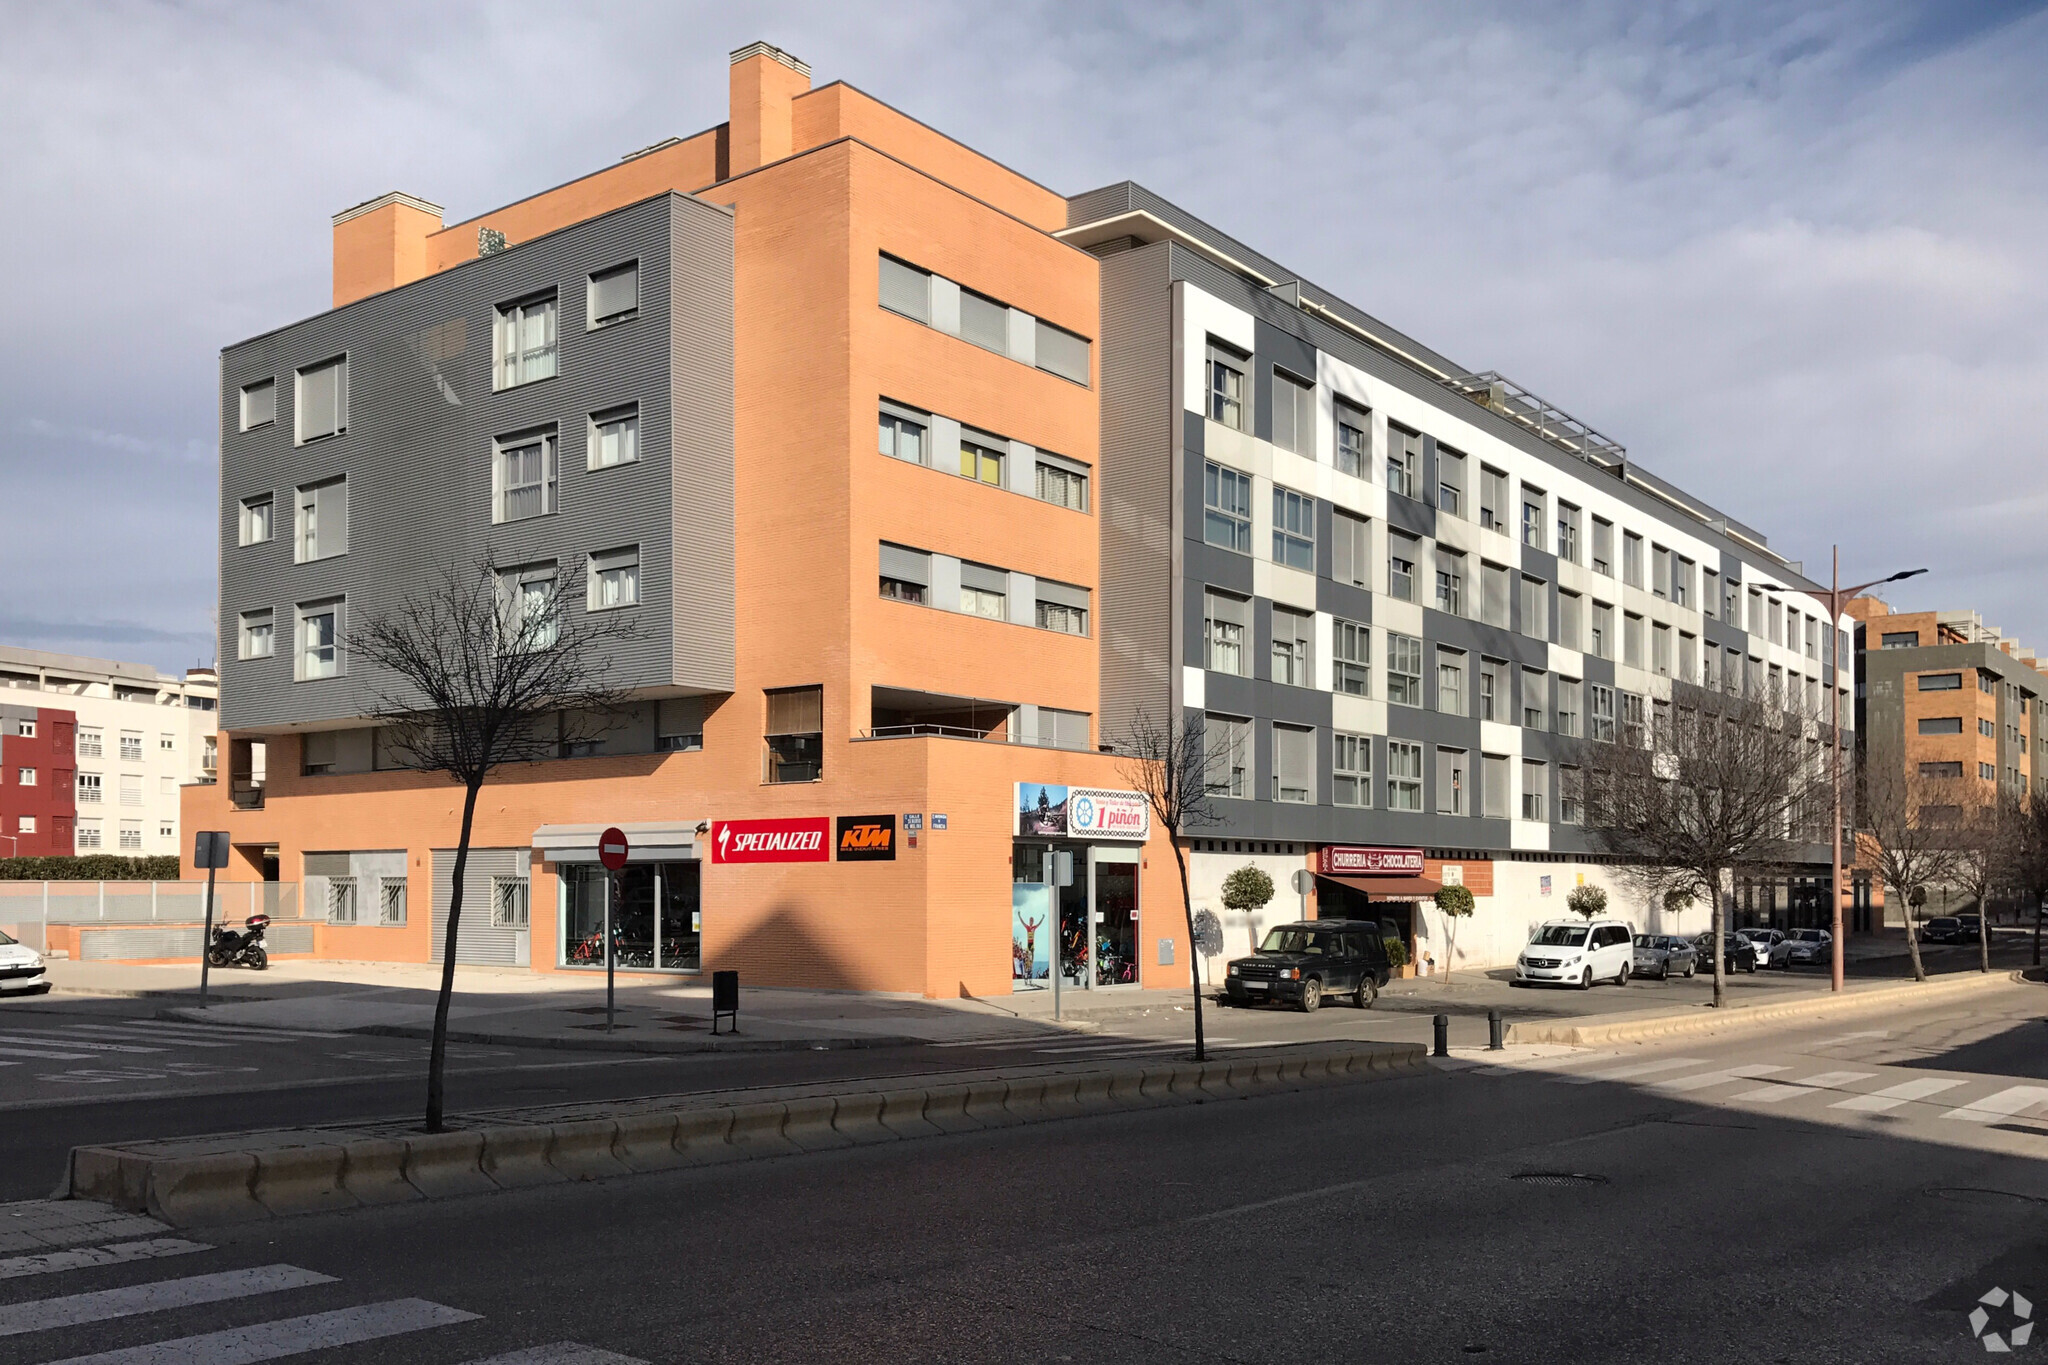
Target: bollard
(1494, 1029)
(1443, 1035)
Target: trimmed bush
(90, 867)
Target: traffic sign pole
(612, 851)
(210, 851)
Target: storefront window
(1104, 894)
(657, 918)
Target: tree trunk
(437, 1057)
(2040, 902)
(1913, 943)
(1187, 905)
(1716, 928)
(1984, 932)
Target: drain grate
(1558, 1178)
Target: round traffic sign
(611, 848)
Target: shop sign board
(801, 840)
(867, 838)
(1047, 810)
(1353, 860)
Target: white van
(1576, 952)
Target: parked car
(1662, 955)
(1738, 954)
(1577, 953)
(21, 968)
(1764, 940)
(1803, 948)
(1972, 928)
(1299, 964)
(1942, 929)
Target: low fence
(115, 921)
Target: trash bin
(725, 999)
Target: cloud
(1789, 254)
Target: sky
(1791, 256)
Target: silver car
(1664, 956)
(1804, 948)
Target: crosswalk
(277, 1338)
(132, 1039)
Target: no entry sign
(612, 848)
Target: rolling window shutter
(984, 322)
(909, 566)
(1064, 594)
(1062, 353)
(796, 711)
(906, 290)
(981, 576)
(614, 293)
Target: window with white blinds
(320, 527)
(320, 400)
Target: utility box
(725, 999)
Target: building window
(1450, 482)
(511, 903)
(1450, 581)
(1063, 483)
(1294, 414)
(1602, 640)
(1493, 595)
(391, 900)
(1987, 771)
(1710, 593)
(1493, 691)
(524, 476)
(88, 835)
(25, 824)
(1493, 499)
(89, 741)
(1630, 723)
(259, 403)
(257, 519)
(1404, 775)
(1535, 609)
(1731, 602)
(1941, 725)
(1351, 658)
(1225, 629)
(1571, 625)
(321, 526)
(1660, 648)
(1660, 571)
(528, 617)
(1229, 742)
(1450, 681)
(319, 646)
(907, 290)
(89, 789)
(1600, 712)
(1984, 728)
(1404, 670)
(320, 396)
(525, 342)
(1632, 640)
(1532, 517)
(984, 591)
(614, 295)
(1901, 639)
(615, 578)
(904, 433)
(25, 777)
(1568, 694)
(1535, 707)
(1404, 460)
(981, 462)
(1294, 529)
(131, 836)
(256, 636)
(1941, 770)
(1535, 781)
(1227, 508)
(1351, 770)
(166, 742)
(1681, 581)
(1494, 793)
(1450, 781)
(614, 437)
(984, 322)
(1062, 607)
(25, 728)
(1294, 764)
(1402, 552)
(1987, 682)
(1354, 439)
(1603, 546)
(131, 746)
(341, 900)
(1632, 559)
(1571, 796)
(1226, 388)
(1292, 631)
(1567, 532)
(1350, 550)
(1061, 352)
(167, 786)
(1941, 682)
(795, 734)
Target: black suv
(1301, 963)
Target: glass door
(1116, 923)
(679, 917)
(583, 892)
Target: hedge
(92, 867)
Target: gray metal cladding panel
(1541, 563)
(1407, 514)
(701, 342)
(1597, 670)
(1727, 637)
(418, 450)
(1134, 615)
(1216, 566)
(476, 941)
(1228, 693)
(1275, 347)
(1344, 599)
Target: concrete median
(245, 1177)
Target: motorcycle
(230, 949)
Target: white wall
(182, 763)
(1242, 929)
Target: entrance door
(1073, 906)
(1116, 920)
(679, 917)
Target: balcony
(897, 713)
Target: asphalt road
(1827, 1194)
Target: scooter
(230, 949)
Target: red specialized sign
(1352, 860)
(612, 849)
(771, 841)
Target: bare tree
(480, 669)
(1726, 782)
(1173, 764)
(1909, 827)
(2030, 859)
(1985, 856)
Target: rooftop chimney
(381, 244)
(765, 82)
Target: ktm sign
(770, 841)
(867, 838)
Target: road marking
(144, 1033)
(46, 1039)
(287, 1336)
(1853, 1037)
(1116, 1045)
(560, 1353)
(1707, 1078)
(1807, 1085)
(1891, 1097)
(248, 1033)
(101, 1305)
(1630, 1072)
(80, 1258)
(48, 1055)
(2005, 1104)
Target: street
(1815, 1193)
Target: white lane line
(2004, 1105)
(247, 1033)
(1854, 1037)
(286, 1337)
(55, 1056)
(143, 1033)
(1723, 1077)
(1892, 1096)
(101, 1305)
(51, 1039)
(1624, 1073)
(560, 1353)
(80, 1258)
(1805, 1085)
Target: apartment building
(920, 481)
(106, 749)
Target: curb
(241, 1178)
(642, 1045)
(1701, 1020)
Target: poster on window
(1041, 810)
(1030, 932)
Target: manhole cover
(1558, 1178)
(1964, 1195)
